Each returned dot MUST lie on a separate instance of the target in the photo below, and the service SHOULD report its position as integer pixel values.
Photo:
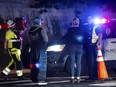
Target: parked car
(109, 45)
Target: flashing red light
(103, 20)
(31, 66)
(3, 26)
(100, 21)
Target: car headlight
(55, 48)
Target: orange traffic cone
(102, 72)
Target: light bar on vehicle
(100, 21)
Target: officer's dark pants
(25, 55)
(91, 55)
(75, 53)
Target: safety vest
(13, 41)
(94, 35)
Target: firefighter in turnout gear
(12, 45)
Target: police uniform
(13, 47)
(91, 36)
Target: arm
(44, 35)
(99, 44)
(5, 44)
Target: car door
(109, 49)
(109, 46)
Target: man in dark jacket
(38, 39)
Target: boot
(4, 76)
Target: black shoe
(72, 80)
(35, 80)
(91, 80)
(42, 81)
(4, 76)
(21, 78)
(78, 80)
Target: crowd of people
(78, 38)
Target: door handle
(113, 42)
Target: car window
(109, 30)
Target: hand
(98, 46)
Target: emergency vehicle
(108, 50)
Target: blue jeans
(75, 53)
(37, 55)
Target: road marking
(45, 83)
(105, 84)
(29, 84)
(59, 81)
(65, 77)
(11, 82)
(41, 83)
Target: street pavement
(55, 82)
(59, 80)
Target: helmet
(10, 23)
(37, 20)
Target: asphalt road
(55, 82)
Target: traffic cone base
(102, 72)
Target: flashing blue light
(79, 38)
(97, 20)
(38, 65)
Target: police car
(108, 50)
(109, 45)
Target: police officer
(38, 39)
(93, 37)
(12, 44)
